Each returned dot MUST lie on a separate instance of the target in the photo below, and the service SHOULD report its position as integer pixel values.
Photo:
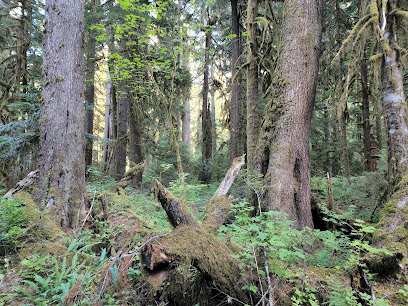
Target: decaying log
(177, 212)
(392, 234)
(128, 178)
(23, 185)
(192, 243)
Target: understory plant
(273, 249)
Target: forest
(204, 152)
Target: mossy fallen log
(392, 234)
(195, 244)
(132, 177)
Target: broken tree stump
(192, 243)
(132, 177)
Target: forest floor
(99, 262)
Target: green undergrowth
(317, 264)
(90, 264)
(359, 198)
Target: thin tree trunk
(121, 140)
(233, 148)
(327, 137)
(366, 115)
(135, 142)
(185, 118)
(107, 127)
(90, 89)
(342, 119)
(61, 183)
(378, 129)
(213, 124)
(206, 148)
(253, 120)
(283, 150)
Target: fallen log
(392, 234)
(195, 244)
(132, 177)
(26, 184)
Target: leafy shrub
(11, 224)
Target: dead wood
(23, 185)
(192, 243)
(128, 178)
(392, 234)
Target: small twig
(106, 274)
(257, 271)
(229, 297)
(267, 276)
(90, 209)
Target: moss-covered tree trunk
(206, 142)
(394, 104)
(234, 113)
(365, 109)
(135, 141)
(253, 118)
(342, 118)
(283, 150)
(61, 177)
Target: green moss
(385, 45)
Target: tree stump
(194, 243)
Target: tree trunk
(90, 89)
(213, 124)
(185, 117)
(327, 137)
(135, 142)
(233, 148)
(252, 85)
(121, 140)
(395, 110)
(365, 109)
(378, 129)
(283, 151)
(342, 118)
(206, 147)
(61, 183)
(108, 125)
(344, 146)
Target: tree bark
(121, 140)
(108, 125)
(135, 142)
(283, 150)
(61, 183)
(342, 119)
(233, 148)
(206, 146)
(252, 85)
(395, 109)
(365, 109)
(213, 124)
(90, 89)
